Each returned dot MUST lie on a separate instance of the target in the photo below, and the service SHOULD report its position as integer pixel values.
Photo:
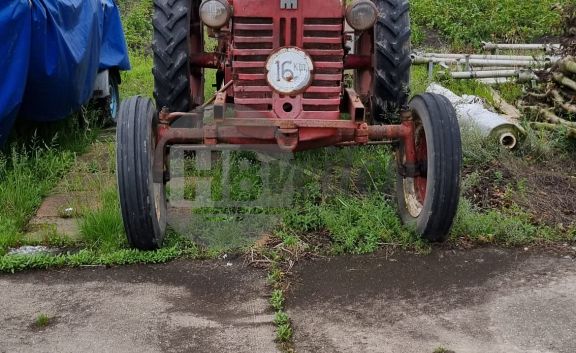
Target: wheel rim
(415, 187)
(158, 189)
(159, 198)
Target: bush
(468, 22)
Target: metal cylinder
(481, 56)
(547, 47)
(484, 74)
(480, 62)
(521, 75)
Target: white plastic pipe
(547, 47)
(521, 75)
(481, 56)
(484, 74)
(480, 62)
(471, 113)
(494, 80)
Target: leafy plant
(283, 333)
(42, 320)
(277, 299)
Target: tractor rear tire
(171, 47)
(391, 87)
(143, 202)
(428, 202)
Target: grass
(42, 320)
(35, 160)
(139, 80)
(277, 299)
(280, 256)
(441, 350)
(136, 19)
(88, 257)
(510, 226)
(102, 228)
(466, 23)
(345, 193)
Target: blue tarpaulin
(15, 20)
(51, 52)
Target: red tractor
(283, 64)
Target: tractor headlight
(361, 14)
(215, 13)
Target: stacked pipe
(553, 102)
(484, 66)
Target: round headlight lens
(361, 14)
(215, 13)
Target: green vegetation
(174, 250)
(510, 226)
(283, 332)
(467, 23)
(42, 320)
(33, 162)
(345, 196)
(102, 228)
(277, 299)
(280, 257)
(441, 350)
(137, 21)
(139, 80)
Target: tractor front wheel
(429, 190)
(142, 201)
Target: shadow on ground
(484, 300)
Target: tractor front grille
(255, 38)
(323, 41)
(253, 43)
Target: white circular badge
(289, 70)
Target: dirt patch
(319, 242)
(434, 40)
(546, 190)
(549, 192)
(488, 185)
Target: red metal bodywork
(257, 29)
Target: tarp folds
(52, 51)
(113, 52)
(15, 20)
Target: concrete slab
(200, 307)
(41, 229)
(78, 192)
(469, 302)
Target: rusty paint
(220, 104)
(205, 60)
(355, 106)
(362, 134)
(196, 45)
(167, 136)
(353, 61)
